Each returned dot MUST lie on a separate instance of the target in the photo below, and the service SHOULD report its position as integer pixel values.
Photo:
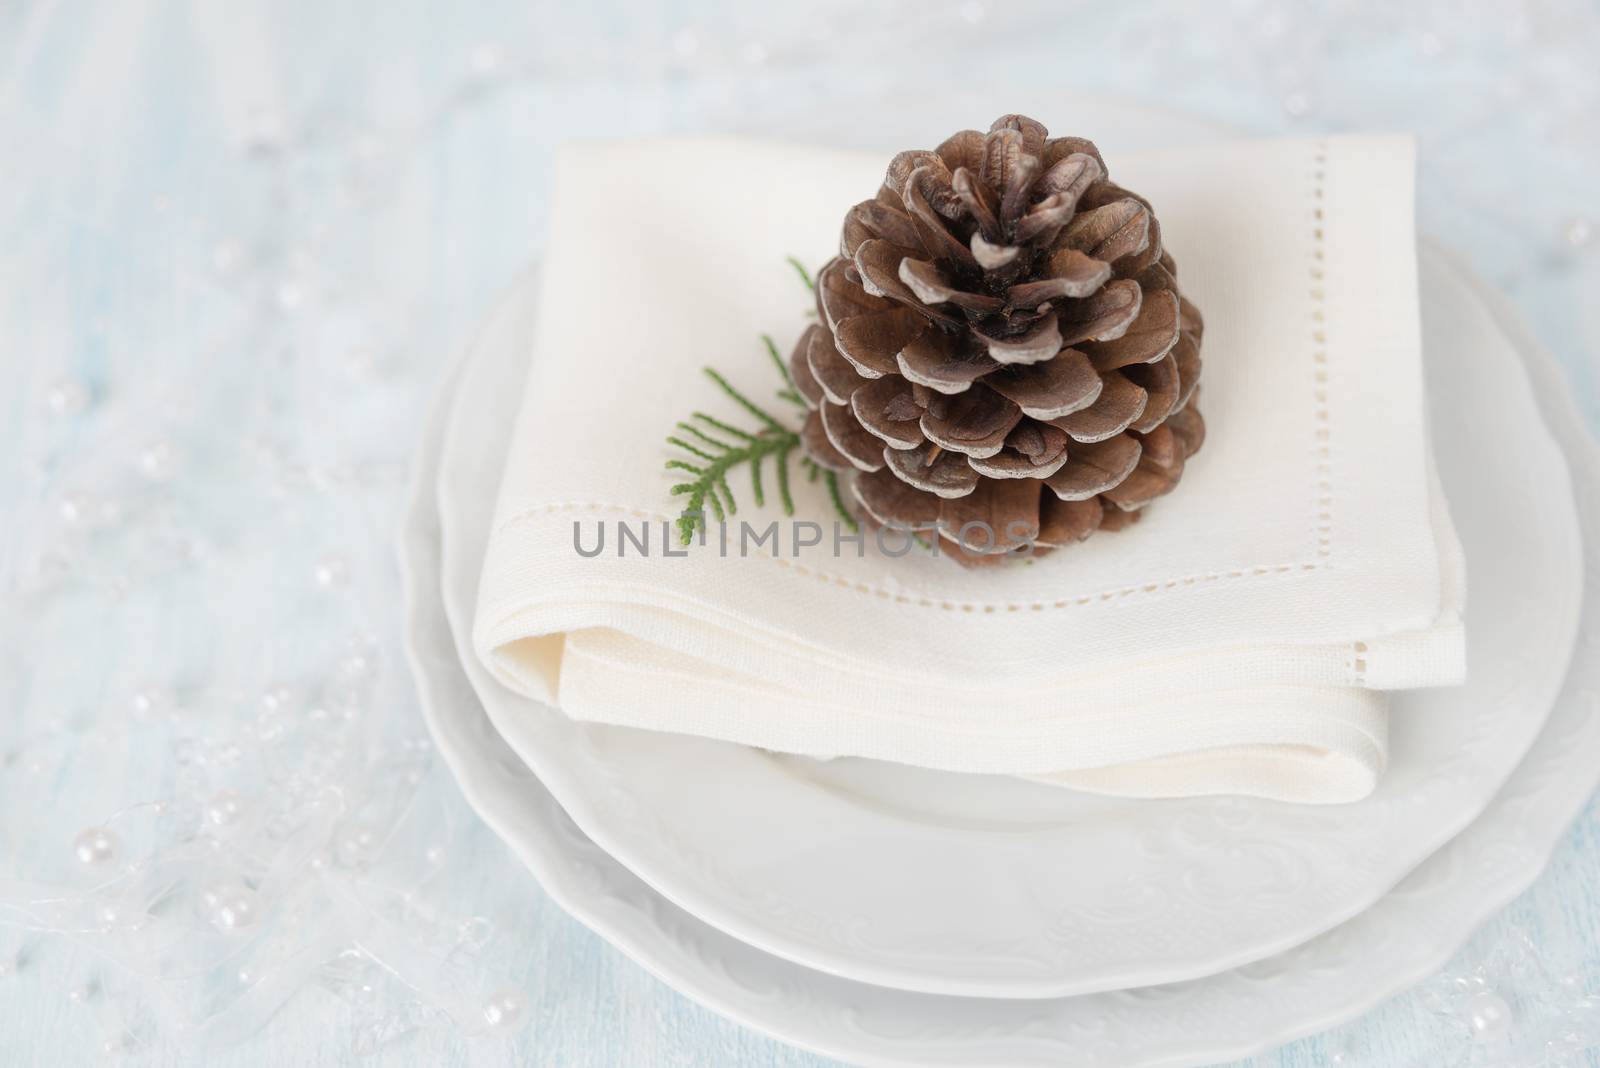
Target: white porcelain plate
(1403, 937)
(990, 886)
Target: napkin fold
(1239, 639)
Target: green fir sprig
(800, 269)
(713, 448)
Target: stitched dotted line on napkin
(1319, 349)
(912, 598)
(1356, 664)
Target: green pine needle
(783, 482)
(838, 504)
(715, 443)
(777, 361)
(731, 446)
(800, 269)
(746, 403)
(686, 447)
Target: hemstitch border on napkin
(1322, 524)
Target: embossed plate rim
(1405, 937)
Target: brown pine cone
(1002, 347)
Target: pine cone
(1002, 343)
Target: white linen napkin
(1237, 639)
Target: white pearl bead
(503, 1010)
(158, 461)
(265, 133)
(233, 910)
(277, 700)
(96, 845)
(1489, 1016)
(67, 397)
(150, 701)
(331, 572)
(291, 295)
(354, 845)
(484, 61)
(685, 44)
(1579, 233)
(226, 255)
(224, 808)
(359, 362)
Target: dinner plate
(991, 886)
(1401, 939)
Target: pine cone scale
(850, 439)
(1094, 467)
(1120, 403)
(1159, 381)
(930, 468)
(894, 503)
(1061, 386)
(997, 516)
(974, 422)
(831, 371)
(805, 383)
(939, 361)
(1149, 337)
(888, 410)
(1063, 523)
(871, 342)
(1102, 316)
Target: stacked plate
(890, 915)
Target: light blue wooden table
(238, 241)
